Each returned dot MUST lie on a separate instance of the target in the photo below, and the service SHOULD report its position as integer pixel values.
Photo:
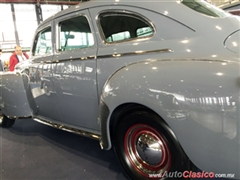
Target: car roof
(138, 3)
(173, 9)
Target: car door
(74, 71)
(40, 74)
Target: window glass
(203, 7)
(120, 27)
(43, 44)
(146, 31)
(75, 33)
(118, 36)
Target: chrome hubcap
(147, 150)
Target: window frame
(60, 19)
(114, 12)
(49, 25)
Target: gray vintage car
(156, 80)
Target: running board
(69, 129)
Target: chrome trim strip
(117, 55)
(74, 59)
(122, 12)
(69, 129)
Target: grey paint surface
(201, 106)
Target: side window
(146, 31)
(122, 26)
(43, 42)
(74, 34)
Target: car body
(158, 81)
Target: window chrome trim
(40, 30)
(114, 12)
(58, 30)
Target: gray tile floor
(32, 151)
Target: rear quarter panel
(198, 99)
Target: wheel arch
(109, 120)
(120, 112)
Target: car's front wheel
(147, 149)
(6, 122)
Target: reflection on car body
(158, 82)
(234, 12)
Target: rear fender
(198, 99)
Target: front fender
(198, 99)
(15, 95)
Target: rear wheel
(147, 148)
(6, 122)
